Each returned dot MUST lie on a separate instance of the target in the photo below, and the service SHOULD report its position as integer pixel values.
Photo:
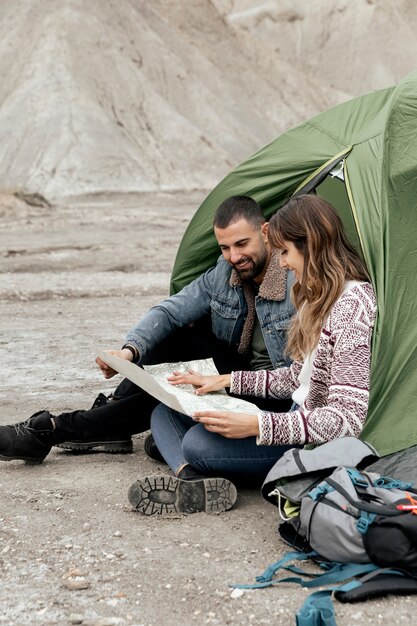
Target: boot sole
(111, 447)
(166, 495)
(29, 461)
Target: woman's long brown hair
(315, 228)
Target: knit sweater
(337, 401)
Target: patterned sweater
(337, 401)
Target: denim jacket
(217, 293)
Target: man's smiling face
(246, 248)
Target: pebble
(77, 583)
(237, 593)
(75, 580)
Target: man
(246, 299)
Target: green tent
(362, 157)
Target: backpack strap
(391, 483)
(317, 610)
(375, 585)
(336, 573)
(381, 509)
(266, 579)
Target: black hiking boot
(152, 450)
(101, 400)
(28, 441)
(167, 495)
(112, 444)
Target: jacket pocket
(224, 314)
(276, 330)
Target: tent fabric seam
(341, 141)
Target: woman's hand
(203, 384)
(228, 424)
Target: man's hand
(203, 384)
(228, 424)
(109, 372)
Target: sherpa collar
(274, 284)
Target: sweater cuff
(234, 383)
(265, 430)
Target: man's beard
(255, 269)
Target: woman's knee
(160, 412)
(197, 447)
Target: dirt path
(75, 278)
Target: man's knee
(126, 389)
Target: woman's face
(293, 259)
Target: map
(182, 398)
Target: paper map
(182, 398)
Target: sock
(189, 473)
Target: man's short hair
(237, 208)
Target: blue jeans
(181, 440)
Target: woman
(329, 341)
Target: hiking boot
(152, 450)
(167, 495)
(28, 441)
(110, 444)
(101, 400)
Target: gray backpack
(300, 469)
(359, 526)
(345, 514)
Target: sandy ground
(75, 278)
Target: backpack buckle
(365, 521)
(320, 491)
(357, 478)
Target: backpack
(353, 523)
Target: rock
(75, 579)
(77, 583)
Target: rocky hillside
(130, 95)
